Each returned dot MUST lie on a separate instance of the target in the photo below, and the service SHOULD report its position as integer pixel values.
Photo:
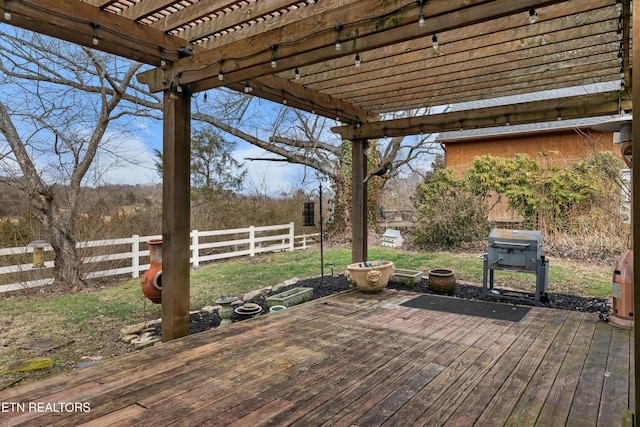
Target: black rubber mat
(492, 310)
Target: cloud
(130, 160)
(268, 177)
(124, 159)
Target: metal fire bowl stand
(516, 251)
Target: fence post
(195, 250)
(292, 237)
(252, 240)
(136, 241)
(135, 256)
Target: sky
(135, 163)
(128, 157)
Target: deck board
(357, 359)
(530, 403)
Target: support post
(175, 213)
(359, 201)
(635, 201)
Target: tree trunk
(67, 271)
(58, 224)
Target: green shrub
(451, 218)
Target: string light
(7, 12)
(273, 57)
(358, 60)
(533, 16)
(434, 40)
(421, 17)
(247, 87)
(163, 62)
(559, 112)
(220, 74)
(95, 39)
(284, 97)
(297, 74)
(338, 44)
(176, 80)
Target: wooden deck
(354, 360)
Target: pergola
(378, 67)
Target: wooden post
(292, 237)
(195, 249)
(135, 256)
(635, 200)
(359, 201)
(175, 213)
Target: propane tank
(622, 291)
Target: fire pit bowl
(248, 310)
(370, 277)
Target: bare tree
(57, 103)
(305, 139)
(62, 107)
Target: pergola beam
(593, 105)
(80, 22)
(297, 96)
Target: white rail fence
(117, 257)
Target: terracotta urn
(370, 276)
(442, 281)
(151, 280)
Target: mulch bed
(331, 284)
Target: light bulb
(297, 74)
(358, 60)
(220, 75)
(533, 15)
(273, 61)
(338, 45)
(7, 14)
(434, 40)
(421, 20)
(95, 39)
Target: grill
(519, 251)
